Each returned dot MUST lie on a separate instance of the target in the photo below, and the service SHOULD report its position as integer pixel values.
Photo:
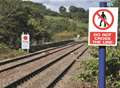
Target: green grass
(54, 18)
(6, 52)
(79, 23)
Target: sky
(55, 4)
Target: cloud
(55, 4)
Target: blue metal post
(103, 4)
(102, 60)
(102, 66)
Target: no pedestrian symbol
(103, 25)
(25, 37)
(102, 15)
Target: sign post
(103, 28)
(102, 60)
(102, 67)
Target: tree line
(75, 13)
(17, 16)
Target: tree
(116, 3)
(62, 10)
(73, 9)
(78, 13)
(8, 22)
(16, 19)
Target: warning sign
(103, 24)
(25, 41)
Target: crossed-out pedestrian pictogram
(25, 38)
(103, 18)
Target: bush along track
(89, 73)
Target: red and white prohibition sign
(108, 24)
(25, 41)
(103, 25)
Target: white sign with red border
(25, 41)
(103, 26)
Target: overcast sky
(55, 4)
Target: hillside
(38, 21)
(63, 27)
(43, 25)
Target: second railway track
(17, 76)
(10, 64)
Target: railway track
(10, 67)
(21, 75)
(9, 64)
(33, 54)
